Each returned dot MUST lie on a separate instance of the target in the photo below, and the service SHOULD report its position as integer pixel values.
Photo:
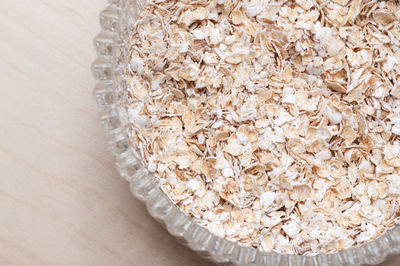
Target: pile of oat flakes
(275, 124)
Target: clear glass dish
(112, 46)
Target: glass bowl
(112, 46)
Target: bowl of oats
(258, 132)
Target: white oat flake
(267, 198)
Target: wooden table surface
(61, 200)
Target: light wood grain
(61, 200)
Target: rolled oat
(274, 124)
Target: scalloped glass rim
(108, 70)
